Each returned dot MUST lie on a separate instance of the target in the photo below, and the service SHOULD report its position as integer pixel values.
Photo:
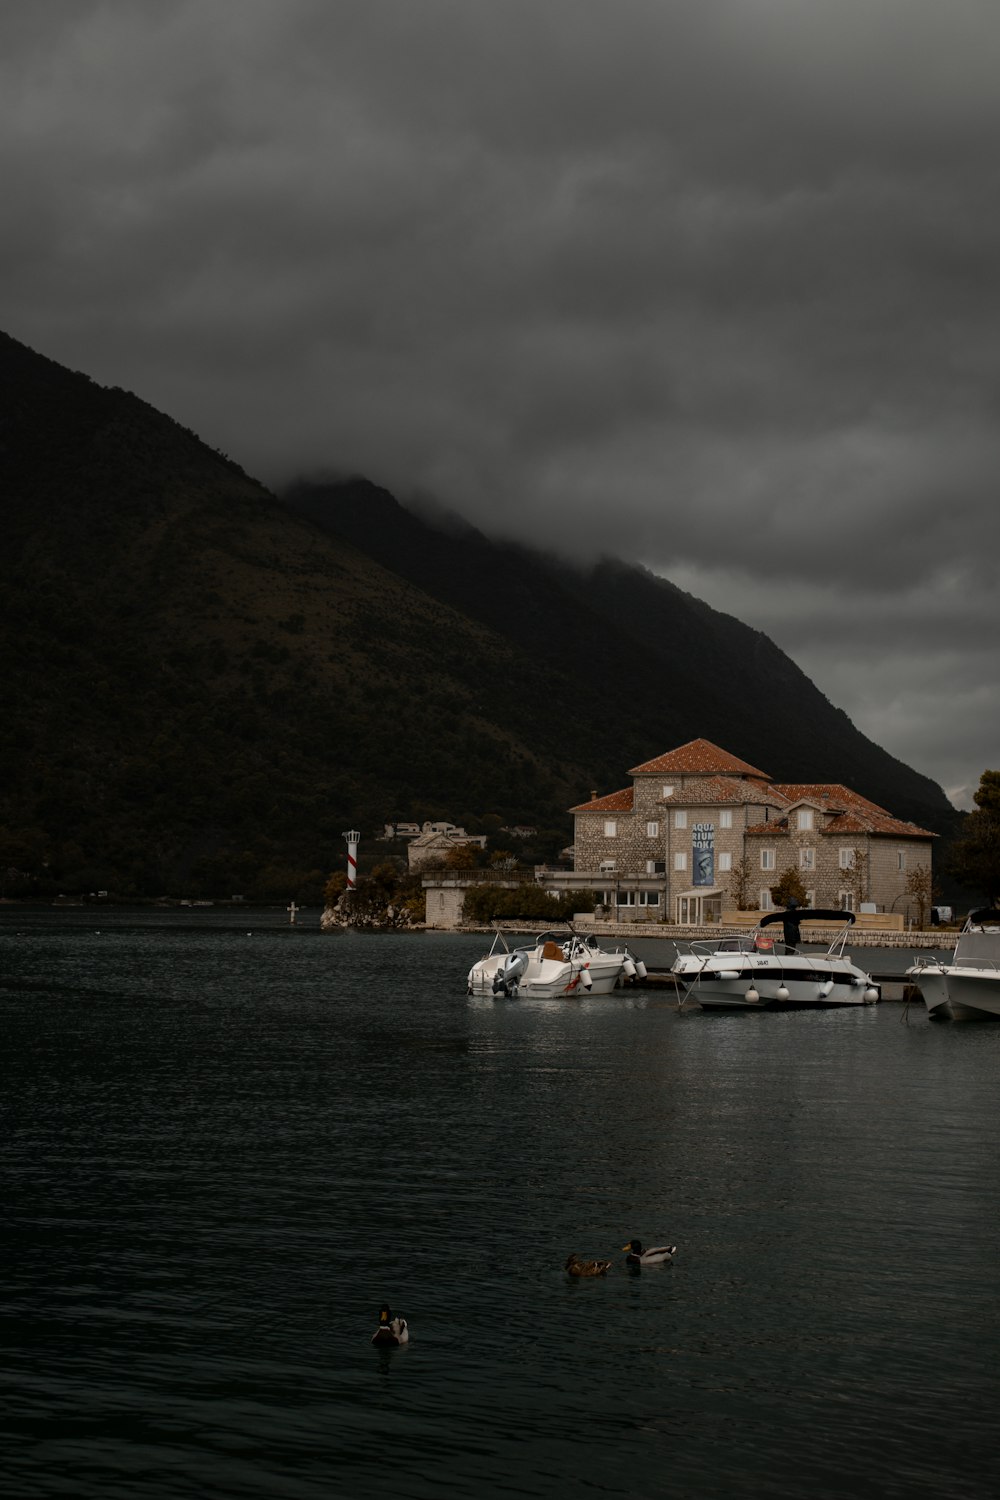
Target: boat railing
(758, 942)
(732, 943)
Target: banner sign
(703, 853)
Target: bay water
(226, 1140)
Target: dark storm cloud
(708, 285)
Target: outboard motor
(509, 974)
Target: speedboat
(552, 965)
(754, 971)
(607, 968)
(968, 987)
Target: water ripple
(221, 1153)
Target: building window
(847, 861)
(807, 859)
(805, 820)
(610, 828)
(900, 859)
(767, 859)
(680, 861)
(656, 867)
(846, 900)
(652, 830)
(668, 790)
(725, 862)
(766, 904)
(638, 898)
(680, 820)
(726, 818)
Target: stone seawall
(648, 932)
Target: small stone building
(433, 846)
(699, 831)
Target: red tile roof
(614, 802)
(710, 789)
(697, 758)
(852, 812)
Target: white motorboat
(552, 965)
(966, 987)
(754, 971)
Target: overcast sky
(712, 285)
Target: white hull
(583, 968)
(751, 973)
(959, 994)
(782, 992)
(967, 989)
(605, 974)
(974, 995)
(932, 983)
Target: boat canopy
(982, 916)
(807, 914)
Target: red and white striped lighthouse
(352, 858)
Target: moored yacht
(552, 965)
(966, 988)
(754, 971)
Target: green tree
(789, 886)
(527, 901)
(462, 857)
(975, 855)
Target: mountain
(204, 685)
(648, 666)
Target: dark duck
(391, 1329)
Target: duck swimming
(391, 1329)
(577, 1267)
(637, 1256)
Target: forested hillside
(649, 666)
(203, 687)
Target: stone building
(699, 831)
(437, 841)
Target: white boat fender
(640, 968)
(751, 996)
(585, 979)
(871, 995)
(628, 967)
(782, 992)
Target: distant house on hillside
(414, 830)
(697, 826)
(401, 830)
(433, 846)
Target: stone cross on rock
(292, 909)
